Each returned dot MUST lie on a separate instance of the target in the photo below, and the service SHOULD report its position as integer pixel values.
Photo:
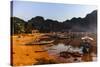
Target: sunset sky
(61, 12)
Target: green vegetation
(17, 25)
(86, 24)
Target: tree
(17, 25)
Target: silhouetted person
(86, 50)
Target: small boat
(52, 49)
(40, 51)
(64, 37)
(59, 37)
(41, 42)
(87, 37)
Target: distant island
(86, 24)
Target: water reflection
(56, 49)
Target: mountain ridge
(86, 24)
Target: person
(86, 50)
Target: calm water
(54, 50)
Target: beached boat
(63, 37)
(52, 49)
(41, 42)
(40, 51)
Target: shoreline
(25, 54)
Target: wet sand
(26, 54)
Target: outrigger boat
(63, 37)
(41, 42)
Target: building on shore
(35, 31)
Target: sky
(60, 12)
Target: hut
(35, 31)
